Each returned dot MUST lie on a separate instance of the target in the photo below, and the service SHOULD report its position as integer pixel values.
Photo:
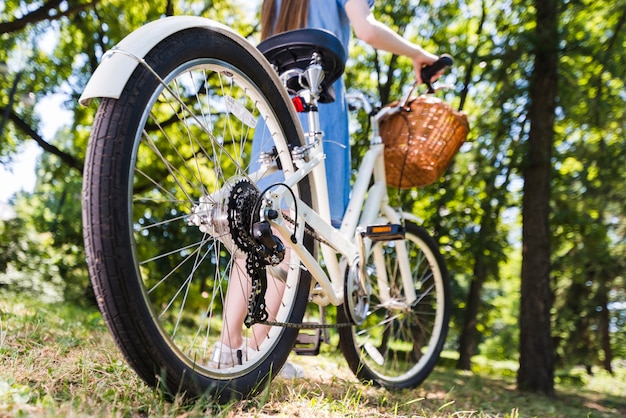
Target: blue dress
(330, 15)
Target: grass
(59, 360)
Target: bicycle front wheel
(399, 343)
(170, 184)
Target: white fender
(119, 62)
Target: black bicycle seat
(294, 49)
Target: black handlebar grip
(429, 71)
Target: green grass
(59, 360)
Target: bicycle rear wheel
(399, 343)
(170, 182)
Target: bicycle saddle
(294, 50)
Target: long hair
(293, 14)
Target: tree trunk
(469, 334)
(605, 323)
(536, 372)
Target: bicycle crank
(357, 291)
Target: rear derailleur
(254, 237)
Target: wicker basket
(420, 141)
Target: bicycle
(172, 207)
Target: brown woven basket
(420, 141)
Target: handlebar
(429, 71)
(427, 74)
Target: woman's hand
(420, 60)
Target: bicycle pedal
(308, 342)
(388, 232)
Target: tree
(589, 190)
(494, 156)
(536, 372)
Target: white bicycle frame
(367, 206)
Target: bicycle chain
(241, 202)
(306, 325)
(311, 232)
(257, 312)
(257, 309)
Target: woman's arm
(379, 36)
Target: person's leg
(236, 304)
(273, 298)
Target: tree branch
(70, 160)
(43, 13)
(473, 58)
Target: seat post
(314, 75)
(315, 133)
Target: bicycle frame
(365, 207)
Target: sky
(20, 174)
